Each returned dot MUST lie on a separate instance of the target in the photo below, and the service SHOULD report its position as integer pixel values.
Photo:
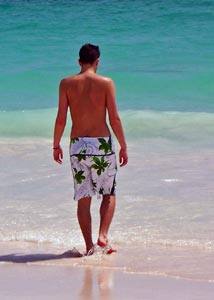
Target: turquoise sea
(160, 55)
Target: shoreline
(29, 281)
(33, 254)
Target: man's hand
(58, 154)
(123, 157)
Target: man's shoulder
(69, 78)
(67, 81)
(104, 79)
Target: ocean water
(160, 55)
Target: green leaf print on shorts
(101, 191)
(104, 145)
(81, 155)
(74, 140)
(100, 164)
(79, 177)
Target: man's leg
(84, 218)
(107, 209)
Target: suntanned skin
(89, 97)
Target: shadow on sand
(25, 258)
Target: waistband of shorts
(90, 146)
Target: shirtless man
(89, 97)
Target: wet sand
(24, 281)
(25, 274)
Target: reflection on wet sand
(101, 285)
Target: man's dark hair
(89, 53)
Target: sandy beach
(34, 272)
(29, 281)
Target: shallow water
(164, 214)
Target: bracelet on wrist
(55, 148)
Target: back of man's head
(89, 53)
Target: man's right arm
(60, 123)
(115, 122)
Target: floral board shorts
(94, 167)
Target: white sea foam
(185, 128)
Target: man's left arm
(60, 122)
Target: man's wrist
(123, 148)
(55, 147)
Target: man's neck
(88, 68)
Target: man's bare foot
(90, 251)
(107, 249)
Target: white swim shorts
(94, 167)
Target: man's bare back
(87, 95)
